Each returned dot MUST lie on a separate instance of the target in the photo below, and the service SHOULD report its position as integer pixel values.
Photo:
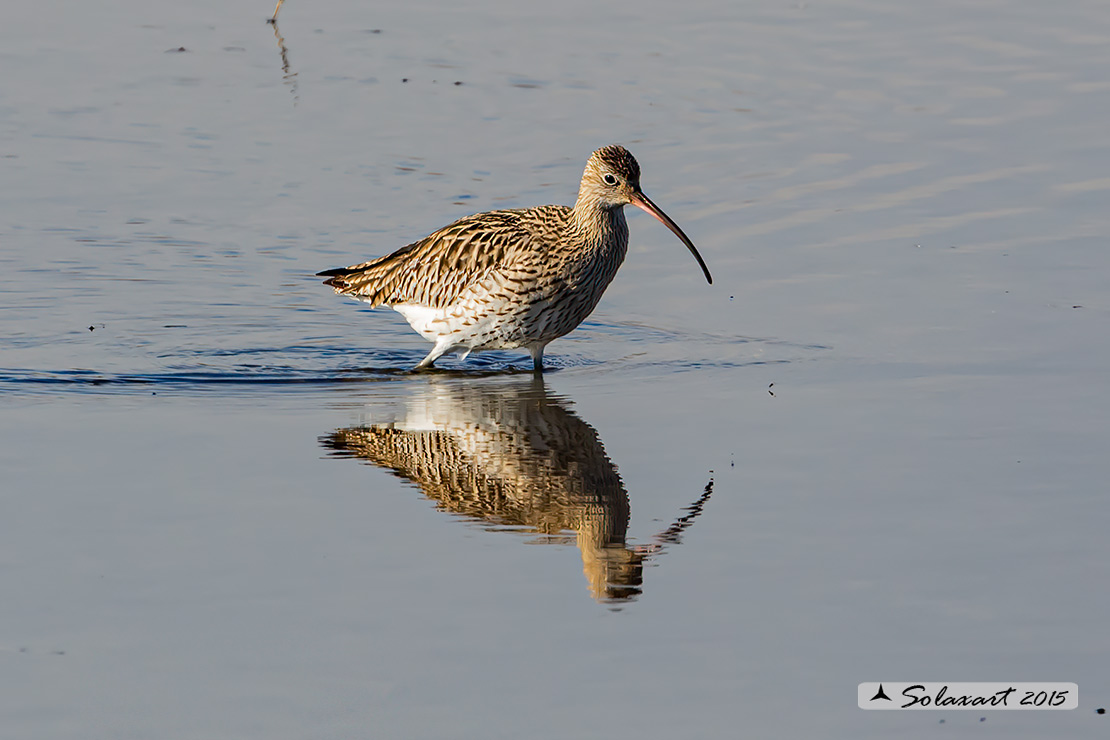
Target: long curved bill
(642, 201)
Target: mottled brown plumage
(512, 278)
(511, 456)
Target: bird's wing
(434, 271)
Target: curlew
(515, 278)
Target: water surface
(874, 449)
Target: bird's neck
(596, 224)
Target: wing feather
(437, 269)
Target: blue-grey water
(874, 449)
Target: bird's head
(612, 177)
(612, 180)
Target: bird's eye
(609, 180)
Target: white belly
(463, 326)
(430, 323)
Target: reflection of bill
(512, 456)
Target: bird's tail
(357, 281)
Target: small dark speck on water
(92, 328)
(1100, 710)
(769, 389)
(457, 83)
(404, 79)
(1077, 307)
(178, 50)
(982, 719)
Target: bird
(512, 278)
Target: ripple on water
(604, 347)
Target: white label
(977, 696)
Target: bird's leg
(442, 347)
(537, 357)
(428, 361)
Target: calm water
(874, 449)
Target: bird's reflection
(512, 456)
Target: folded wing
(436, 270)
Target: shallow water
(873, 449)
